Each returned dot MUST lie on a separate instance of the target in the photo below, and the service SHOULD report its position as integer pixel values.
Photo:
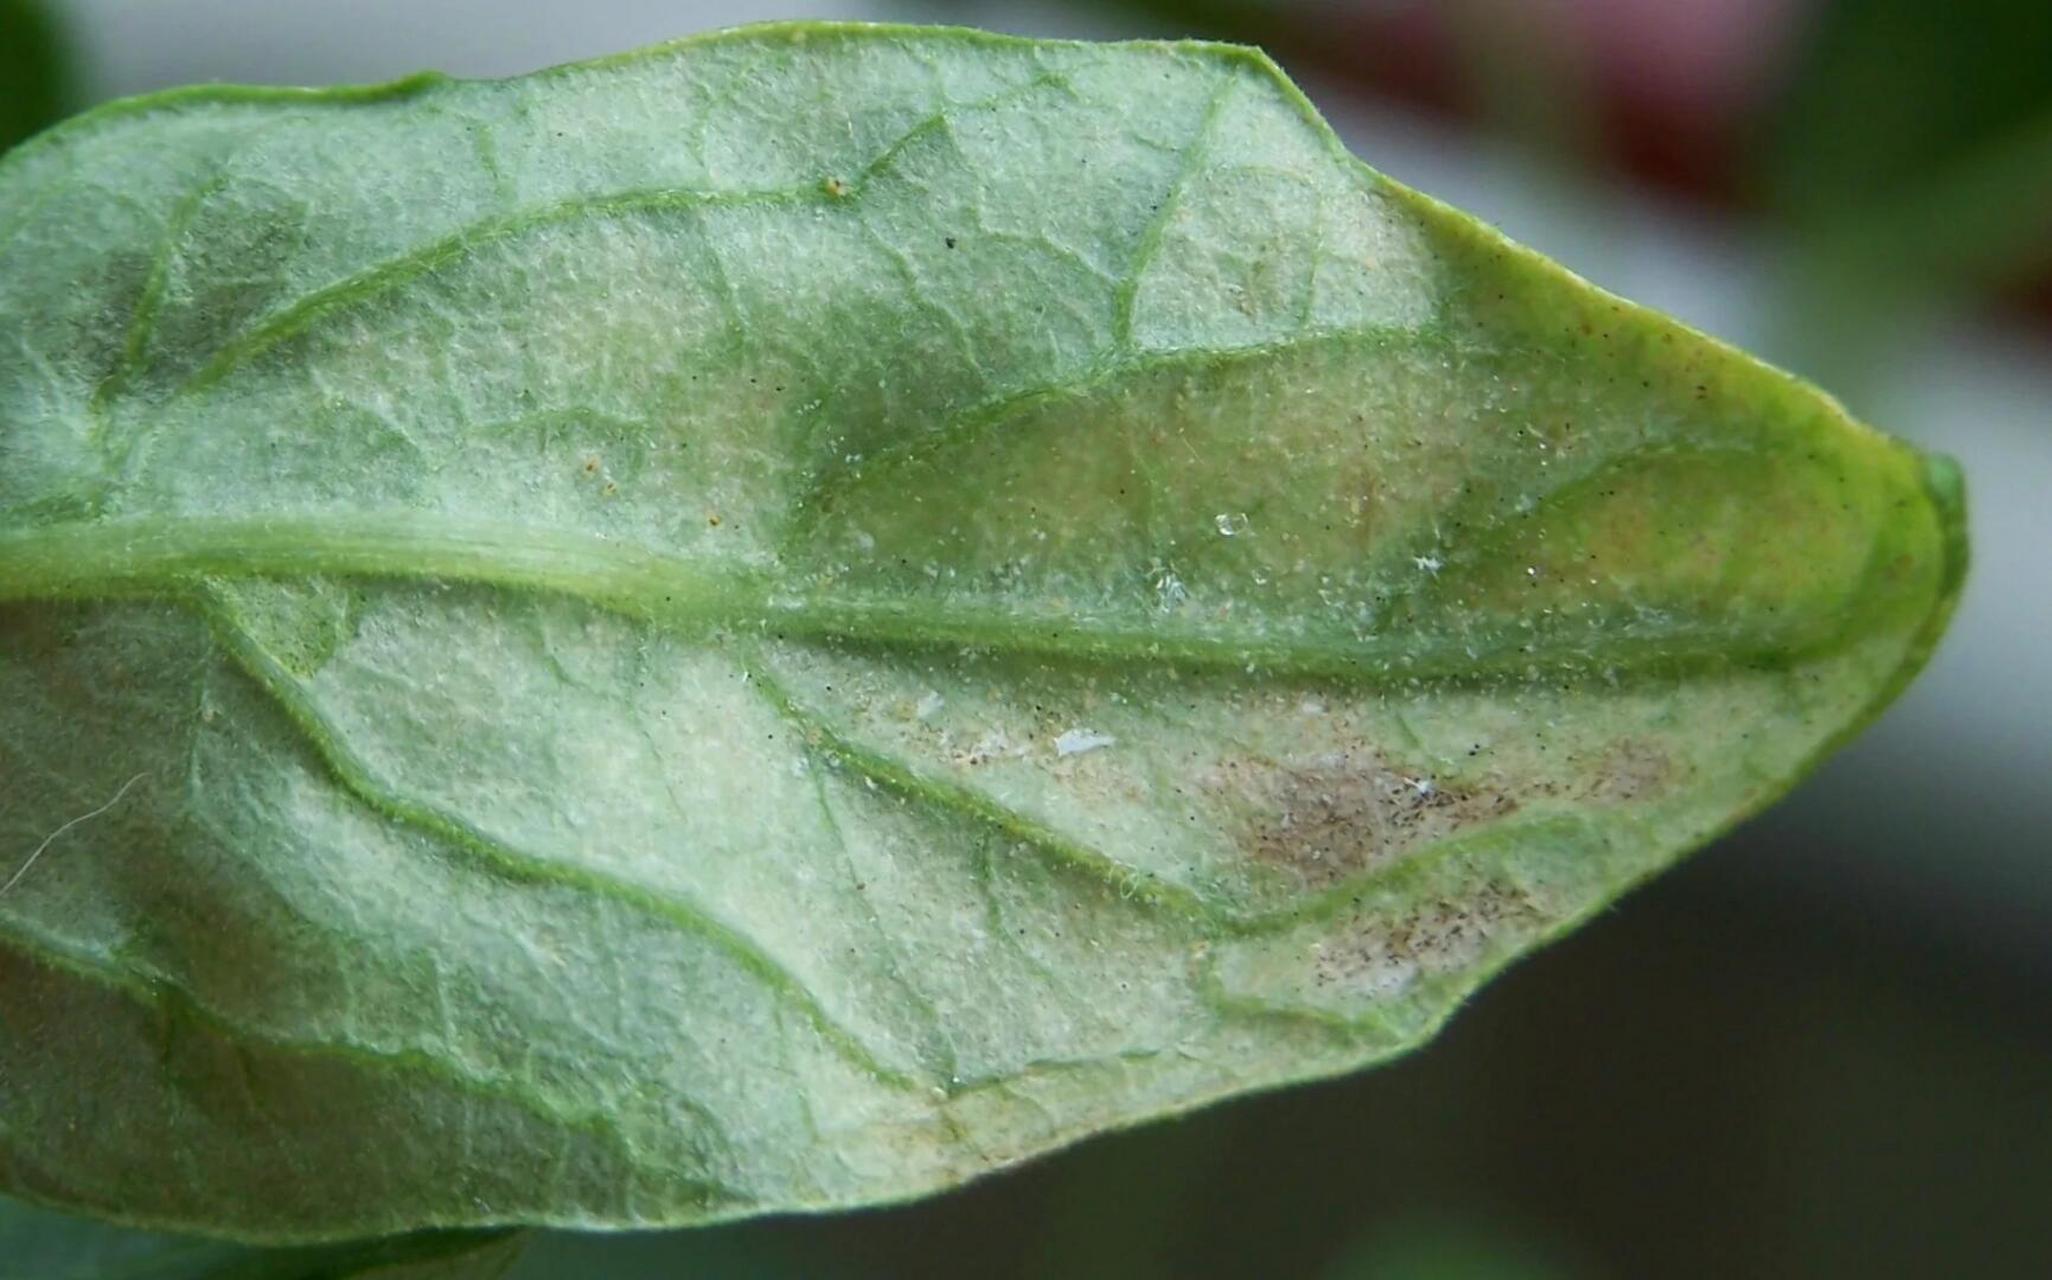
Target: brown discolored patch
(1378, 955)
(1633, 769)
(1346, 813)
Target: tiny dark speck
(951, 242)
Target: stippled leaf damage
(784, 620)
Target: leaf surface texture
(784, 620)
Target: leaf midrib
(160, 556)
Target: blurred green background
(1822, 1047)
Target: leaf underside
(780, 621)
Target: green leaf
(783, 621)
(39, 1245)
